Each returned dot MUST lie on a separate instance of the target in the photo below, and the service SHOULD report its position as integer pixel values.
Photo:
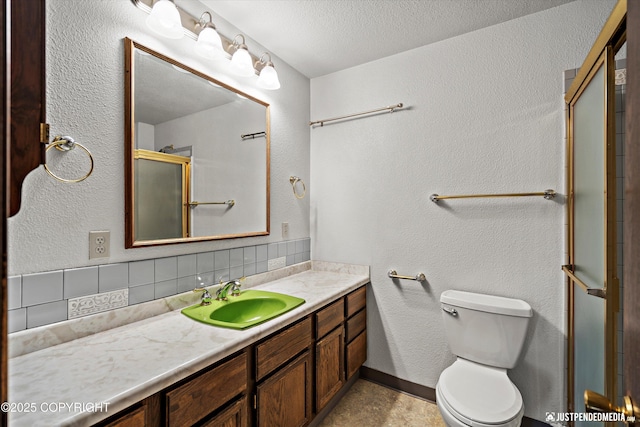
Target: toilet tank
(484, 328)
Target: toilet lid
(480, 393)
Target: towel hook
(64, 144)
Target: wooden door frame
(631, 269)
(4, 397)
(23, 132)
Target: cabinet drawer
(329, 317)
(356, 353)
(356, 301)
(282, 347)
(135, 418)
(192, 401)
(356, 324)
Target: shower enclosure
(595, 123)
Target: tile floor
(371, 405)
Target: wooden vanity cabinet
(282, 380)
(356, 335)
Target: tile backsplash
(43, 298)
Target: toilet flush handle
(451, 311)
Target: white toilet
(487, 334)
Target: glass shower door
(591, 269)
(160, 196)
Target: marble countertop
(88, 379)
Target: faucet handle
(235, 290)
(206, 296)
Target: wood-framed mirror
(196, 154)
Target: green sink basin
(248, 309)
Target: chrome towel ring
(294, 180)
(64, 144)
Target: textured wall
(485, 114)
(85, 99)
(214, 135)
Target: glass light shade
(241, 63)
(268, 78)
(164, 19)
(209, 44)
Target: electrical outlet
(285, 230)
(99, 244)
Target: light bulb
(268, 78)
(164, 19)
(209, 44)
(241, 63)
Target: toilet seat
(479, 395)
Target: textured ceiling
(318, 37)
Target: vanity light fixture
(268, 78)
(209, 43)
(164, 19)
(169, 20)
(241, 62)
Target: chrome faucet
(234, 285)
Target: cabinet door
(284, 400)
(356, 353)
(235, 415)
(329, 366)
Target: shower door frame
(611, 38)
(185, 166)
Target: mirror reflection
(197, 155)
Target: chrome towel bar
(420, 277)
(390, 108)
(229, 203)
